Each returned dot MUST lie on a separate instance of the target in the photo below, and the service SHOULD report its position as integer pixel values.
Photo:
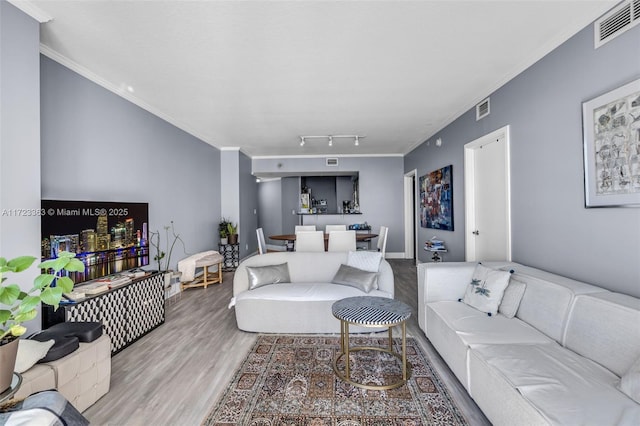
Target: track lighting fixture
(356, 138)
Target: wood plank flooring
(173, 375)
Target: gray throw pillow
(354, 277)
(270, 274)
(512, 297)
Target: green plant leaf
(26, 316)
(3, 261)
(43, 280)
(9, 294)
(29, 303)
(5, 314)
(21, 263)
(74, 265)
(65, 283)
(55, 264)
(17, 330)
(51, 296)
(66, 254)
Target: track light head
(330, 140)
(301, 140)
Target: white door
(487, 215)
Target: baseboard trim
(396, 255)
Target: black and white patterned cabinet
(231, 253)
(127, 313)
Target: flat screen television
(108, 237)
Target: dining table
(290, 238)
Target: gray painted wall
(551, 227)
(381, 191)
(248, 193)
(19, 140)
(230, 185)
(290, 200)
(270, 208)
(98, 146)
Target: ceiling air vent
(482, 109)
(616, 22)
(332, 162)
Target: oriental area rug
(289, 380)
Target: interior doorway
(487, 197)
(410, 214)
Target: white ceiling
(259, 74)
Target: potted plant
(223, 230)
(170, 276)
(17, 306)
(232, 233)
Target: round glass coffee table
(374, 312)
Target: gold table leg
(345, 351)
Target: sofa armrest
(445, 281)
(441, 281)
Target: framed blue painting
(436, 199)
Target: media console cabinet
(127, 312)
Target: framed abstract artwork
(611, 128)
(436, 199)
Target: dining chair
(262, 245)
(305, 228)
(382, 240)
(331, 228)
(310, 241)
(342, 241)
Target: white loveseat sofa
(304, 305)
(558, 361)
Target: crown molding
(32, 10)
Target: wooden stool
(207, 277)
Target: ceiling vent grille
(616, 22)
(332, 162)
(483, 108)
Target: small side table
(371, 311)
(231, 253)
(16, 381)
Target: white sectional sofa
(558, 361)
(304, 305)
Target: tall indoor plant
(17, 306)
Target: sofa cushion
(354, 277)
(605, 327)
(269, 274)
(486, 288)
(30, 352)
(453, 327)
(512, 297)
(296, 292)
(365, 260)
(547, 298)
(563, 386)
(630, 382)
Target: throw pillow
(365, 260)
(354, 277)
(30, 352)
(512, 298)
(486, 289)
(270, 274)
(630, 382)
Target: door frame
(410, 215)
(469, 184)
